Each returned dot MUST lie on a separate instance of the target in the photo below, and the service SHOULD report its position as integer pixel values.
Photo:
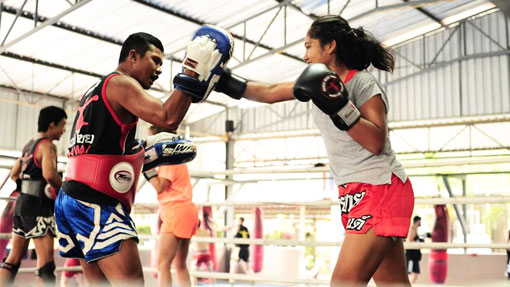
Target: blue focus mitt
(167, 149)
(207, 55)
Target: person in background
(65, 277)
(33, 213)
(201, 250)
(413, 256)
(179, 216)
(240, 255)
(508, 257)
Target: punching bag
(6, 223)
(207, 216)
(258, 250)
(438, 259)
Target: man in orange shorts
(179, 216)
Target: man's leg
(168, 246)
(10, 266)
(234, 261)
(123, 268)
(45, 262)
(179, 264)
(93, 274)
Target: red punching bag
(207, 219)
(258, 250)
(438, 259)
(6, 223)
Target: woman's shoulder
(363, 77)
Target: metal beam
(504, 5)
(395, 6)
(49, 64)
(199, 22)
(33, 93)
(461, 217)
(62, 25)
(427, 13)
(67, 68)
(48, 22)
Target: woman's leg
(392, 270)
(179, 263)
(359, 258)
(168, 245)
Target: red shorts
(386, 207)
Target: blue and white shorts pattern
(91, 231)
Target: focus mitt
(207, 55)
(167, 149)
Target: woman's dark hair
(50, 114)
(355, 48)
(140, 42)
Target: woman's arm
(370, 132)
(269, 93)
(159, 183)
(237, 87)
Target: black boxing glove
(231, 85)
(321, 85)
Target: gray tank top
(348, 160)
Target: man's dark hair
(242, 219)
(140, 42)
(416, 218)
(49, 115)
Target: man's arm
(16, 170)
(129, 94)
(48, 152)
(411, 235)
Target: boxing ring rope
(320, 203)
(287, 242)
(325, 203)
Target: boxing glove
(207, 55)
(231, 85)
(321, 85)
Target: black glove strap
(340, 123)
(191, 86)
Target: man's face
(148, 68)
(56, 131)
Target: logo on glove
(178, 149)
(331, 86)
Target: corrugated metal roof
(110, 22)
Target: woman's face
(315, 53)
